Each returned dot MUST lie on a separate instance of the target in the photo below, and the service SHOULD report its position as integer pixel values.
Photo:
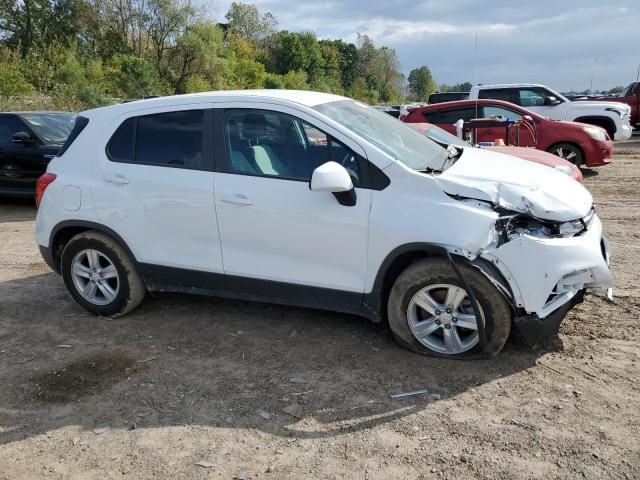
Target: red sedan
(579, 143)
(531, 154)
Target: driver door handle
(117, 178)
(236, 198)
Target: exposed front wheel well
(392, 266)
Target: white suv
(316, 200)
(614, 117)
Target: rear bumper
(47, 255)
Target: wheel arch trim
(374, 302)
(87, 225)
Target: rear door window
(170, 139)
(451, 115)
(505, 94)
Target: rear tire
(569, 152)
(100, 275)
(435, 276)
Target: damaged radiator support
(482, 336)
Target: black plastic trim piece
(81, 123)
(170, 279)
(89, 226)
(47, 255)
(534, 329)
(348, 198)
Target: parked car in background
(443, 137)
(578, 143)
(28, 141)
(451, 245)
(440, 97)
(630, 96)
(614, 117)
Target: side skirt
(159, 278)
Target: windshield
(51, 127)
(441, 136)
(388, 134)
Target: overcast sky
(562, 43)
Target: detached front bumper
(546, 274)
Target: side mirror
(22, 138)
(333, 177)
(551, 101)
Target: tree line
(85, 53)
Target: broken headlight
(511, 226)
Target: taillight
(41, 185)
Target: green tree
(132, 77)
(29, 23)
(12, 81)
(421, 83)
(615, 90)
(298, 52)
(347, 61)
(245, 20)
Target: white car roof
(302, 97)
(509, 85)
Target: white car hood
(517, 185)
(593, 105)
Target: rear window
(78, 127)
(447, 97)
(497, 94)
(171, 139)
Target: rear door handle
(236, 198)
(117, 178)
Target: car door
(273, 228)
(20, 163)
(153, 185)
(491, 134)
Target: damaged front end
(548, 245)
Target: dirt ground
(195, 387)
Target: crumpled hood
(517, 185)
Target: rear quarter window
(505, 94)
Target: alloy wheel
(442, 319)
(95, 277)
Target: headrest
(253, 125)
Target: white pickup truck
(614, 117)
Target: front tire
(100, 276)
(430, 313)
(569, 152)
